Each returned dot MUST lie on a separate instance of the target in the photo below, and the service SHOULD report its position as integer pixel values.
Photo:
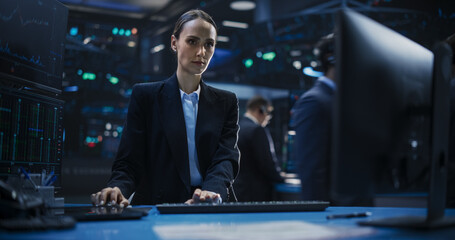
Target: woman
(180, 138)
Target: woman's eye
(209, 44)
(192, 41)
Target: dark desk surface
(299, 225)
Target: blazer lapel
(173, 122)
(207, 125)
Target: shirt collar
(327, 81)
(198, 91)
(248, 115)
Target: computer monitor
(32, 37)
(389, 112)
(32, 43)
(31, 134)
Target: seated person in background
(180, 137)
(258, 164)
(311, 118)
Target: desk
(147, 227)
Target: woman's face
(195, 46)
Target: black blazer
(152, 159)
(312, 120)
(258, 171)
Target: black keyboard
(243, 207)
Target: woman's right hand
(109, 196)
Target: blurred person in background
(259, 169)
(311, 118)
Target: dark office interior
(111, 45)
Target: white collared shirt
(250, 116)
(190, 103)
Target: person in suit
(311, 118)
(258, 166)
(180, 137)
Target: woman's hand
(202, 196)
(109, 196)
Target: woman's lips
(199, 63)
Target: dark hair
(258, 102)
(189, 16)
(325, 51)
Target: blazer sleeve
(128, 165)
(225, 162)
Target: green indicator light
(269, 56)
(113, 80)
(248, 62)
(88, 76)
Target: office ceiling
(156, 9)
(164, 12)
(278, 23)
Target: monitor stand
(439, 152)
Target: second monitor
(390, 114)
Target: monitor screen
(382, 119)
(31, 134)
(32, 42)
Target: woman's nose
(201, 51)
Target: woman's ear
(174, 43)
